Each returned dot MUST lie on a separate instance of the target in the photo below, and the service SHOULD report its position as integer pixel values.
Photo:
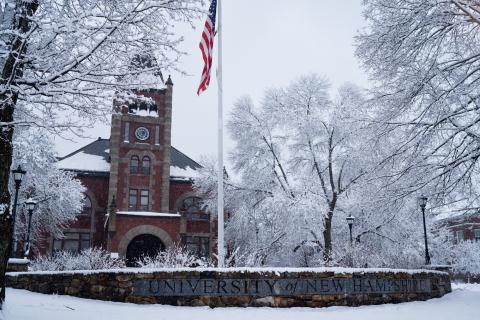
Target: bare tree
(425, 60)
(295, 156)
(61, 62)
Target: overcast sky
(267, 43)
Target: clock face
(142, 133)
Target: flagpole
(220, 216)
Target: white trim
(465, 224)
(149, 214)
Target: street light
(30, 205)
(18, 175)
(422, 202)
(350, 220)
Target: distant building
(139, 196)
(463, 227)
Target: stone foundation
(242, 287)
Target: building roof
(95, 158)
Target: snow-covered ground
(462, 304)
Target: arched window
(134, 164)
(146, 165)
(193, 208)
(87, 206)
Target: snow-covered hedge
(89, 259)
(173, 257)
(466, 258)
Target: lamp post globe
(18, 175)
(422, 202)
(30, 205)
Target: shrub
(88, 259)
(173, 257)
(466, 258)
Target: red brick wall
(126, 223)
(177, 190)
(98, 187)
(154, 181)
(467, 225)
(97, 190)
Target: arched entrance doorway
(143, 245)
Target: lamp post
(350, 220)
(30, 204)
(422, 202)
(17, 177)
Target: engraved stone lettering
(193, 287)
(271, 284)
(221, 285)
(208, 286)
(337, 285)
(169, 286)
(235, 286)
(277, 287)
(311, 285)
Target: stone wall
(242, 287)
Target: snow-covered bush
(89, 259)
(466, 257)
(173, 257)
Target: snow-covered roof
(85, 162)
(182, 166)
(95, 158)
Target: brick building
(139, 195)
(463, 227)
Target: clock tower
(140, 149)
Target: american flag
(206, 46)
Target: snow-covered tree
(424, 59)
(61, 62)
(302, 163)
(296, 163)
(58, 194)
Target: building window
(132, 199)
(200, 246)
(134, 164)
(72, 241)
(87, 207)
(477, 234)
(144, 200)
(146, 165)
(458, 236)
(193, 209)
(126, 137)
(157, 135)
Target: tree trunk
(12, 68)
(6, 230)
(327, 231)
(327, 238)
